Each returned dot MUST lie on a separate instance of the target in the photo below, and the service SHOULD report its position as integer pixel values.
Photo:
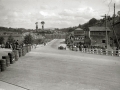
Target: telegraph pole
(106, 31)
(113, 25)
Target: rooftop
(79, 29)
(99, 29)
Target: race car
(62, 47)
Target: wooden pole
(106, 31)
(113, 25)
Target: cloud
(56, 13)
(85, 12)
(46, 7)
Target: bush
(28, 39)
(1, 40)
(10, 39)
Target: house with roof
(97, 36)
(79, 36)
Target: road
(47, 68)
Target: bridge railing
(101, 51)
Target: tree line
(28, 39)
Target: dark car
(62, 46)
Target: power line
(109, 7)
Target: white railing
(101, 51)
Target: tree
(92, 22)
(38, 41)
(28, 39)
(1, 40)
(42, 25)
(36, 26)
(10, 39)
(80, 26)
(70, 29)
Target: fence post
(82, 49)
(112, 52)
(119, 53)
(106, 52)
(96, 51)
(92, 51)
(101, 52)
(89, 50)
(86, 50)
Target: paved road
(47, 68)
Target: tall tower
(36, 26)
(42, 25)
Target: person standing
(13, 45)
(16, 44)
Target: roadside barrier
(24, 51)
(7, 60)
(16, 54)
(20, 52)
(101, 51)
(29, 48)
(12, 57)
(119, 53)
(26, 47)
(3, 64)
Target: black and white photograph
(59, 44)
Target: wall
(97, 37)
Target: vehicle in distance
(74, 48)
(62, 47)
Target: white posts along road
(47, 68)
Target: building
(97, 36)
(79, 36)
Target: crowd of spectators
(14, 45)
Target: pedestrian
(16, 44)
(13, 45)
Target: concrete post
(119, 53)
(93, 51)
(101, 52)
(106, 52)
(96, 51)
(112, 52)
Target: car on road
(74, 48)
(62, 47)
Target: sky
(55, 13)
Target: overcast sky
(55, 13)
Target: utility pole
(106, 31)
(113, 26)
